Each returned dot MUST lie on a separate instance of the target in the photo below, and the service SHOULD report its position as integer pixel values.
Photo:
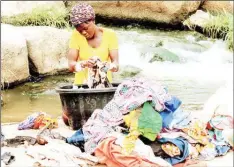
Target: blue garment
(222, 150)
(167, 113)
(181, 119)
(76, 138)
(182, 144)
(173, 104)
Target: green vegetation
(221, 26)
(40, 16)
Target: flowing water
(204, 65)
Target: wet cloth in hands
(182, 144)
(130, 94)
(98, 74)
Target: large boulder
(14, 56)
(169, 12)
(218, 6)
(162, 54)
(10, 8)
(198, 19)
(47, 48)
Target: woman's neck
(97, 32)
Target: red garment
(110, 154)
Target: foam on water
(215, 64)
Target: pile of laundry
(143, 125)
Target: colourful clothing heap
(38, 120)
(146, 122)
(130, 95)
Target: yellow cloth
(198, 132)
(170, 149)
(131, 121)
(79, 42)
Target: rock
(47, 48)
(11, 8)
(14, 56)
(169, 12)
(125, 72)
(199, 19)
(189, 46)
(218, 6)
(162, 54)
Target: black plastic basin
(79, 104)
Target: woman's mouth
(86, 36)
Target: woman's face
(86, 29)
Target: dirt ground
(10, 131)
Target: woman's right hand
(89, 63)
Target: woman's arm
(113, 52)
(73, 65)
(114, 56)
(72, 56)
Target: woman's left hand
(113, 67)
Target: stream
(200, 66)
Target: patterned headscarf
(81, 13)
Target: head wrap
(81, 13)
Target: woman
(87, 41)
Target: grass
(40, 16)
(221, 26)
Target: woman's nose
(83, 32)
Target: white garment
(228, 135)
(59, 153)
(220, 103)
